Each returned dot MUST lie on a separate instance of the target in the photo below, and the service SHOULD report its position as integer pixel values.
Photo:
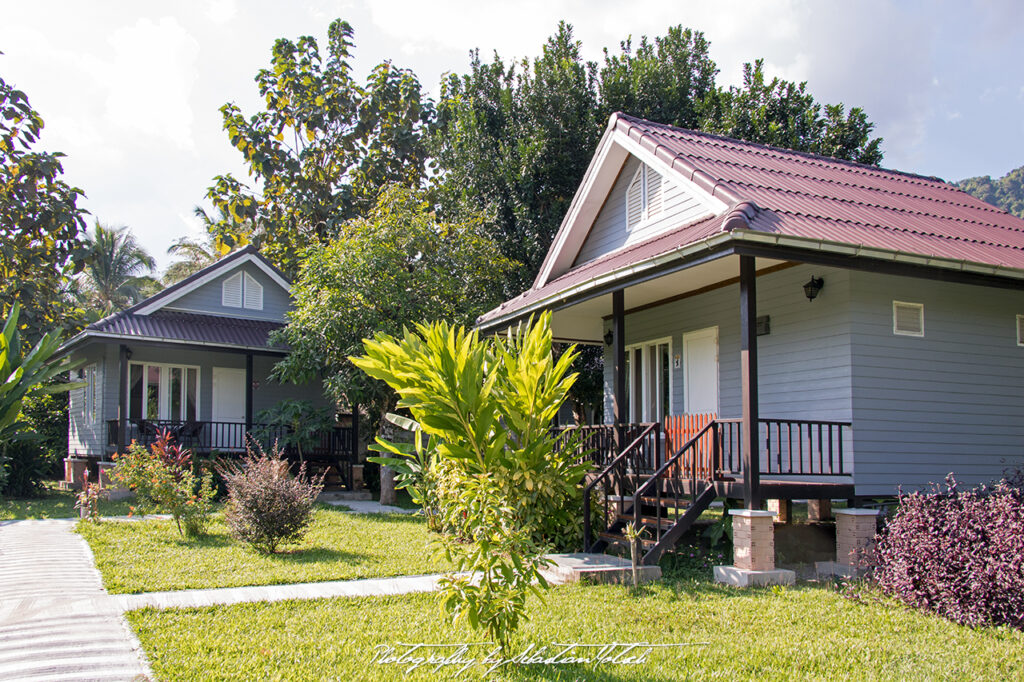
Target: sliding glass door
(164, 392)
(649, 381)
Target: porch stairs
(662, 504)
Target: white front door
(229, 407)
(700, 368)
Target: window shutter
(635, 200)
(653, 192)
(253, 293)
(231, 291)
(908, 318)
(1020, 330)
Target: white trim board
(213, 274)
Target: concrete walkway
(56, 620)
(370, 507)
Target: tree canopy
(1006, 192)
(117, 271)
(396, 266)
(41, 225)
(322, 148)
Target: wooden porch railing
(791, 447)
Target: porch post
(619, 361)
(248, 392)
(122, 398)
(748, 381)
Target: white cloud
(150, 79)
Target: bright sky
(130, 90)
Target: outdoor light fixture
(812, 288)
(608, 337)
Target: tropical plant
(87, 501)
(294, 424)
(41, 225)
(164, 480)
(267, 506)
(484, 409)
(116, 274)
(321, 150)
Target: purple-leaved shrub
(267, 506)
(957, 553)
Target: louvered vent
(231, 291)
(653, 192)
(908, 318)
(635, 200)
(253, 293)
(1020, 330)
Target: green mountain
(1007, 192)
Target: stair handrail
(604, 474)
(713, 424)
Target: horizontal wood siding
(271, 391)
(949, 402)
(87, 436)
(609, 230)
(207, 298)
(804, 363)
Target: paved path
(370, 507)
(56, 620)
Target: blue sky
(130, 90)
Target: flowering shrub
(959, 554)
(267, 506)
(164, 481)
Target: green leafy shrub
(27, 465)
(267, 506)
(294, 424)
(483, 452)
(163, 479)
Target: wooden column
(122, 398)
(248, 393)
(619, 361)
(748, 383)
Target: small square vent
(908, 318)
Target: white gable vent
(1020, 330)
(643, 196)
(231, 291)
(253, 293)
(908, 318)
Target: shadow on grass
(312, 555)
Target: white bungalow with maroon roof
(827, 329)
(194, 359)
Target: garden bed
(149, 556)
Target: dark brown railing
(617, 481)
(597, 441)
(333, 447)
(790, 447)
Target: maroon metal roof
(182, 327)
(803, 195)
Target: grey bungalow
(194, 359)
(781, 325)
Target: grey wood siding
(87, 436)
(609, 230)
(207, 298)
(271, 392)
(804, 364)
(951, 401)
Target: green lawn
(56, 504)
(149, 556)
(809, 633)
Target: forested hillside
(1006, 192)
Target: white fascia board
(712, 203)
(213, 274)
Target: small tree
(301, 420)
(484, 409)
(267, 506)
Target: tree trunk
(387, 486)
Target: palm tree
(195, 254)
(117, 272)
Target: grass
(149, 556)
(54, 504)
(778, 634)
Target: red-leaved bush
(959, 554)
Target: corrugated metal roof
(182, 327)
(807, 196)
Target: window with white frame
(161, 391)
(649, 381)
(907, 318)
(91, 377)
(241, 290)
(1020, 330)
(643, 196)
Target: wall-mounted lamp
(812, 288)
(608, 337)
